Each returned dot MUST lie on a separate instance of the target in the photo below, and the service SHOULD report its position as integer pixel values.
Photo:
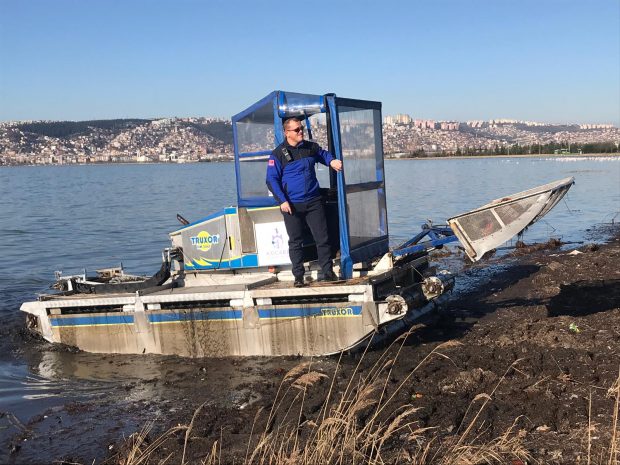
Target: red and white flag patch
(272, 162)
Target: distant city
(185, 140)
(404, 135)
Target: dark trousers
(311, 213)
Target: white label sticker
(272, 244)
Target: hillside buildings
(185, 140)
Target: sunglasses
(297, 130)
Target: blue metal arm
(438, 235)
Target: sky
(541, 60)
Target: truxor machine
(225, 285)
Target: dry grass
(341, 437)
(363, 425)
(614, 447)
(138, 448)
(308, 380)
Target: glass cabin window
(255, 140)
(361, 144)
(362, 151)
(318, 126)
(253, 172)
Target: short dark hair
(290, 118)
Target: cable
(226, 241)
(567, 207)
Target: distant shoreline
(546, 155)
(446, 157)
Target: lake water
(74, 217)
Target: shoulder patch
(272, 162)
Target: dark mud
(540, 335)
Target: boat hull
(218, 332)
(228, 320)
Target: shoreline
(543, 155)
(387, 157)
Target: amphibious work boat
(225, 287)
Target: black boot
(329, 276)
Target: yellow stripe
(205, 261)
(261, 208)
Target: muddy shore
(531, 352)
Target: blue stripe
(225, 211)
(301, 312)
(258, 202)
(196, 316)
(91, 320)
(250, 260)
(212, 315)
(206, 218)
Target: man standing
(291, 178)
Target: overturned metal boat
(225, 284)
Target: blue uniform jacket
(291, 176)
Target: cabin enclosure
(355, 198)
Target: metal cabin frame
(353, 135)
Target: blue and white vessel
(225, 287)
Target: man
(291, 178)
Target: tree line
(64, 129)
(517, 149)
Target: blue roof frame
(251, 109)
(278, 100)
